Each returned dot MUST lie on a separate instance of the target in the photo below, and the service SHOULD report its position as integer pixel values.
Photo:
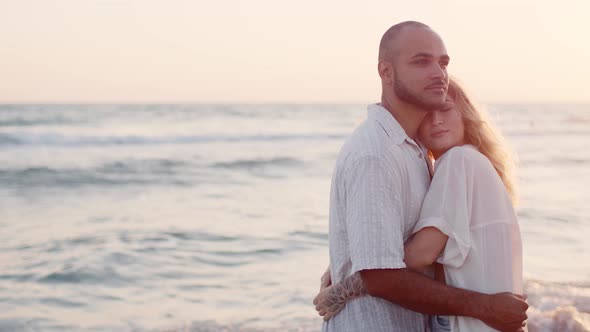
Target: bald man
(379, 182)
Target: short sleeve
(373, 215)
(447, 207)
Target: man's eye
(421, 62)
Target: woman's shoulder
(467, 155)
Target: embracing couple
(415, 247)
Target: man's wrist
(481, 307)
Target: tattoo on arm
(349, 288)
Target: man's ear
(385, 69)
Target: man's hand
(505, 312)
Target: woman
(467, 222)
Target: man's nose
(439, 72)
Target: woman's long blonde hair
(480, 133)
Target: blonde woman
(467, 222)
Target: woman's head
(461, 122)
(442, 129)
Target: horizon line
(194, 102)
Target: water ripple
(85, 275)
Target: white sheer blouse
(468, 202)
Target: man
(379, 182)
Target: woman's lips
(439, 133)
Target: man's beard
(405, 95)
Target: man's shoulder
(367, 144)
(370, 139)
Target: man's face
(420, 69)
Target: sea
(214, 217)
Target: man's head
(412, 65)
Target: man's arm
(420, 252)
(503, 311)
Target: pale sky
(231, 51)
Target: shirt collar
(393, 129)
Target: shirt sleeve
(374, 215)
(447, 207)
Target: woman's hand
(332, 298)
(327, 303)
(326, 279)
(324, 304)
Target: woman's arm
(424, 248)
(326, 279)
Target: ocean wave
(163, 171)
(563, 307)
(173, 111)
(61, 302)
(23, 139)
(149, 171)
(239, 251)
(222, 250)
(85, 275)
(24, 122)
(147, 166)
(109, 175)
(258, 163)
(554, 307)
(558, 306)
(548, 162)
(56, 139)
(308, 238)
(535, 132)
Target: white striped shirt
(379, 182)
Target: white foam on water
(558, 306)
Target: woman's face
(442, 129)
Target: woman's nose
(436, 118)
